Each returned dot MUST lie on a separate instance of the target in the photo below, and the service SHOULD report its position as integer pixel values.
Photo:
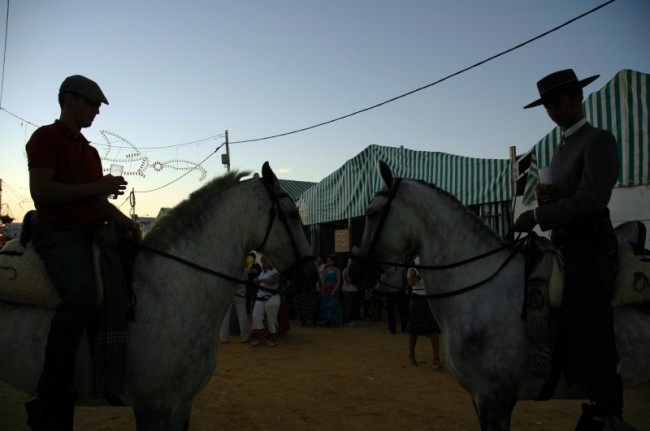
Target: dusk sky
(179, 74)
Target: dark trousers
(586, 346)
(349, 300)
(397, 305)
(67, 255)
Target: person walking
(584, 169)
(421, 321)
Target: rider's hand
(525, 222)
(545, 193)
(133, 232)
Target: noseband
(389, 195)
(275, 212)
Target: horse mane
(476, 220)
(190, 214)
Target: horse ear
(386, 173)
(268, 176)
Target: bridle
(274, 213)
(515, 246)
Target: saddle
(631, 280)
(546, 285)
(24, 279)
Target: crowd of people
(333, 301)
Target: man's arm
(44, 189)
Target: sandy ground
(346, 378)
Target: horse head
(377, 244)
(285, 232)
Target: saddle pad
(24, 279)
(549, 270)
(632, 280)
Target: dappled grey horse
(478, 303)
(181, 303)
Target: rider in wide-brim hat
(558, 83)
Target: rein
(460, 263)
(455, 264)
(390, 195)
(192, 264)
(482, 282)
(273, 212)
(213, 272)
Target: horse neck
(449, 235)
(217, 245)
(221, 235)
(450, 224)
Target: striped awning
(347, 192)
(621, 107)
(295, 188)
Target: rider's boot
(53, 409)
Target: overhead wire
(459, 72)
(428, 85)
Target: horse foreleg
(150, 418)
(494, 411)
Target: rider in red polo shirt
(70, 195)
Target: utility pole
(514, 176)
(225, 158)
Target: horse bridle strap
(192, 264)
(475, 285)
(390, 195)
(274, 212)
(460, 262)
(207, 270)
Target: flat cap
(84, 87)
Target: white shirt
(264, 280)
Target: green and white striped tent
(295, 188)
(621, 107)
(347, 192)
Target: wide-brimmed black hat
(83, 86)
(557, 82)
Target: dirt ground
(346, 378)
